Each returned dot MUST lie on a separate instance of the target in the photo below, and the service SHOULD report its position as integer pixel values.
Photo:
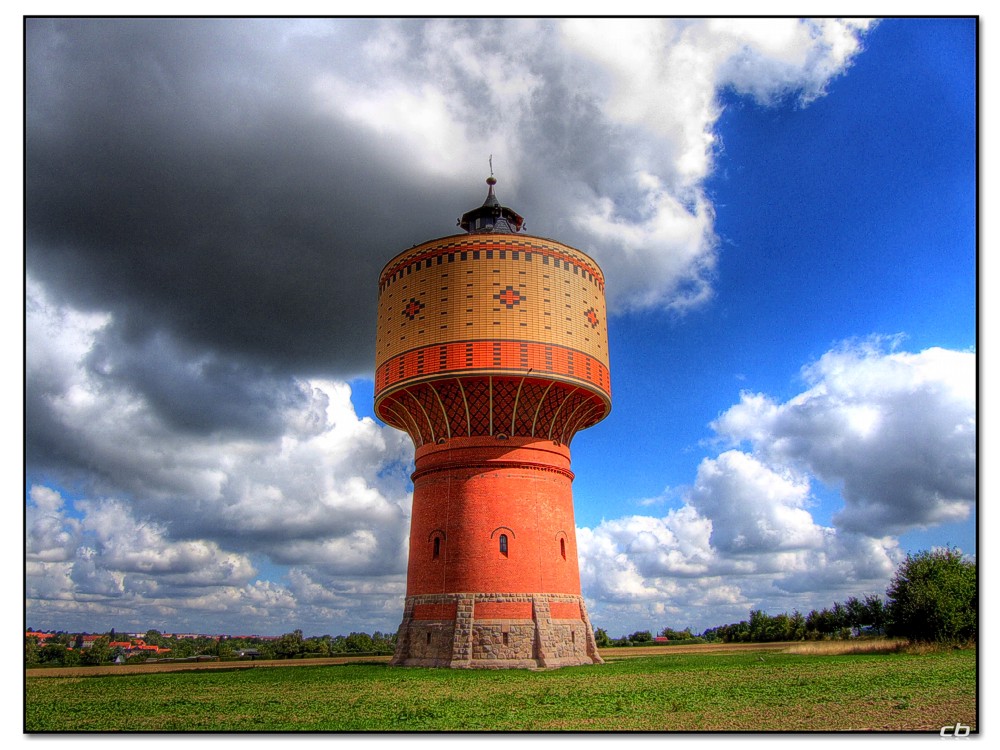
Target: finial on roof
(491, 216)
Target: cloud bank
(894, 431)
(176, 521)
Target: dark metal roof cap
(491, 216)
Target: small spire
(491, 181)
(491, 216)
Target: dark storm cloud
(178, 176)
(205, 393)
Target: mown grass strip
(690, 692)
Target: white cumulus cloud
(175, 521)
(895, 430)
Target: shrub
(933, 598)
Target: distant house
(140, 646)
(135, 646)
(250, 653)
(661, 639)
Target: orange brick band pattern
(493, 357)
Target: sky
(785, 212)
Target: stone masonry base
(532, 638)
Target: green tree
(601, 638)
(934, 598)
(52, 653)
(676, 635)
(839, 618)
(816, 622)
(338, 644)
(875, 612)
(857, 614)
(359, 643)
(32, 651)
(289, 645)
(317, 646)
(641, 636)
(780, 628)
(99, 653)
(758, 626)
(797, 626)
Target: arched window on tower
(437, 547)
(562, 548)
(503, 545)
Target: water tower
(492, 353)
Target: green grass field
(748, 691)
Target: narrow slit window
(437, 547)
(562, 548)
(503, 545)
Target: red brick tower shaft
(492, 354)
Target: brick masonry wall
(565, 610)
(476, 638)
(470, 492)
(435, 611)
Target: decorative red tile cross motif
(413, 308)
(510, 297)
(591, 315)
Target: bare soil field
(187, 666)
(695, 648)
(608, 654)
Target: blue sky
(785, 213)
(851, 217)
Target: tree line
(933, 598)
(850, 619)
(65, 649)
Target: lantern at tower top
(491, 216)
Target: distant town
(62, 648)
